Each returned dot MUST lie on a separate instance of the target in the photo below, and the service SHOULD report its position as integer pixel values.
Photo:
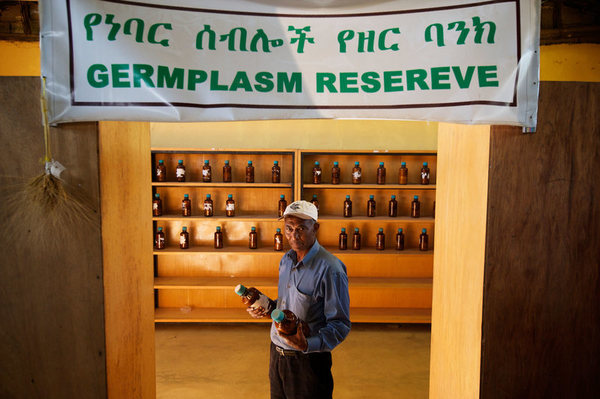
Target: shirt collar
(309, 256)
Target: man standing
(314, 285)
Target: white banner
(184, 60)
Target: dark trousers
(303, 376)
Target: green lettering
(390, 78)
(463, 81)
(347, 79)
(119, 73)
(485, 73)
(196, 76)
(368, 40)
(343, 37)
(290, 84)
(97, 76)
(371, 82)
(382, 36)
(264, 82)
(326, 79)
(438, 75)
(240, 81)
(214, 82)
(417, 76)
(171, 79)
(142, 72)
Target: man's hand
(296, 341)
(257, 313)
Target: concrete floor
(224, 361)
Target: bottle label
(262, 301)
(182, 240)
(356, 174)
(158, 172)
(207, 207)
(278, 239)
(180, 172)
(230, 207)
(161, 241)
(155, 206)
(424, 175)
(183, 206)
(205, 172)
(318, 172)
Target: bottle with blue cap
(206, 172)
(253, 238)
(159, 239)
(403, 173)
(335, 173)
(425, 174)
(282, 205)
(316, 171)
(226, 172)
(347, 207)
(278, 240)
(380, 240)
(230, 206)
(315, 201)
(423, 241)
(393, 207)
(415, 207)
(371, 206)
(381, 174)
(253, 298)
(156, 205)
(343, 240)
(161, 171)
(286, 322)
(184, 238)
(208, 206)
(186, 205)
(180, 171)
(218, 238)
(356, 239)
(400, 240)
(356, 173)
(276, 172)
(249, 172)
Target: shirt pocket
(299, 302)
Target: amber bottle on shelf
(400, 240)
(276, 172)
(425, 174)
(156, 205)
(343, 239)
(403, 174)
(380, 240)
(286, 322)
(356, 173)
(230, 206)
(356, 239)
(423, 241)
(218, 238)
(253, 238)
(253, 298)
(393, 207)
(316, 172)
(206, 172)
(226, 172)
(371, 207)
(335, 173)
(161, 171)
(184, 238)
(208, 206)
(282, 205)
(381, 174)
(249, 173)
(180, 171)
(186, 205)
(278, 240)
(159, 239)
(315, 201)
(415, 207)
(347, 207)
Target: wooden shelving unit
(196, 284)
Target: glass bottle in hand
(286, 322)
(253, 298)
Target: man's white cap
(302, 210)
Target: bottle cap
(343, 229)
(226, 162)
(402, 163)
(275, 162)
(314, 196)
(277, 315)
(381, 230)
(161, 161)
(218, 228)
(282, 196)
(240, 290)
(393, 197)
(160, 229)
(416, 197)
(186, 196)
(157, 195)
(380, 163)
(356, 163)
(316, 163)
(424, 163)
(180, 161)
(347, 197)
(253, 228)
(400, 230)
(371, 196)
(207, 196)
(206, 162)
(278, 230)
(335, 163)
(356, 229)
(249, 162)
(229, 195)
(184, 228)
(424, 231)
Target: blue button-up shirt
(316, 290)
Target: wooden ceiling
(563, 21)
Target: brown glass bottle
(161, 171)
(156, 205)
(286, 322)
(356, 239)
(403, 174)
(381, 174)
(276, 172)
(218, 238)
(282, 205)
(415, 207)
(335, 173)
(186, 205)
(317, 172)
(253, 298)
(159, 239)
(180, 171)
(315, 201)
(226, 172)
(230, 206)
(184, 238)
(253, 238)
(400, 240)
(356, 173)
(347, 207)
(425, 174)
(423, 241)
(206, 172)
(393, 207)
(343, 240)
(371, 207)
(278, 240)
(249, 173)
(380, 240)
(208, 206)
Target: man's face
(300, 233)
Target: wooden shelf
(222, 185)
(239, 315)
(373, 186)
(361, 218)
(269, 250)
(220, 218)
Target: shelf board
(239, 315)
(373, 251)
(373, 186)
(219, 185)
(271, 282)
(362, 218)
(220, 218)
(269, 251)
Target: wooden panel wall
(458, 262)
(51, 297)
(541, 315)
(125, 170)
